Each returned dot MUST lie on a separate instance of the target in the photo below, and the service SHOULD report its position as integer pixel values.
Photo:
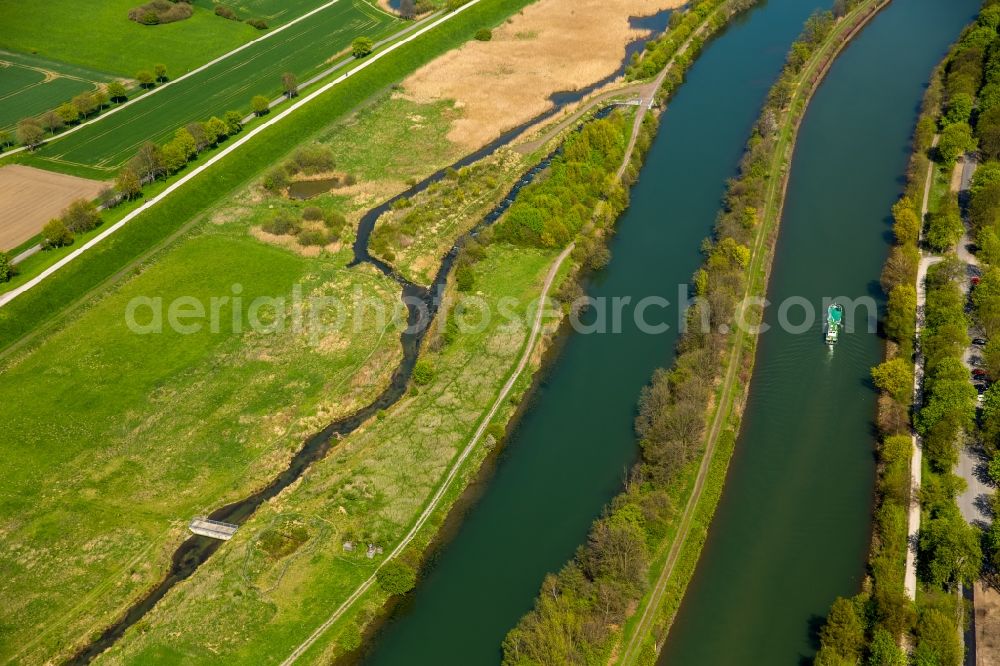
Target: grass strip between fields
(673, 572)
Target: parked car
(978, 372)
(979, 342)
(975, 280)
(980, 388)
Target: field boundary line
(9, 296)
(180, 78)
(456, 466)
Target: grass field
(127, 436)
(98, 33)
(37, 310)
(30, 85)
(369, 489)
(229, 84)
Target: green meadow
(30, 85)
(116, 436)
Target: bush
(260, 24)
(81, 216)
(226, 13)
(7, 270)
(281, 224)
(312, 213)
(160, 11)
(311, 159)
(484, 35)
(55, 234)
(396, 578)
(314, 236)
(423, 372)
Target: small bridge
(213, 528)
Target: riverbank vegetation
(579, 614)
(949, 552)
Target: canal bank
(570, 451)
(792, 529)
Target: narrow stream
(793, 527)
(575, 441)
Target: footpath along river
(793, 528)
(568, 455)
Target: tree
(184, 139)
(259, 105)
(950, 550)
(100, 98)
(85, 104)
(959, 109)
(160, 70)
(484, 35)
(362, 46)
(199, 134)
(68, 112)
(884, 651)
(945, 227)
(901, 312)
(174, 156)
(956, 139)
(127, 183)
(216, 130)
(895, 377)
(148, 162)
(7, 270)
(407, 9)
(396, 578)
(30, 133)
(937, 640)
(81, 216)
(5, 139)
(907, 222)
(117, 92)
(145, 78)
(289, 84)
(55, 234)
(52, 121)
(234, 122)
(843, 632)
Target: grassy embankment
(686, 466)
(71, 284)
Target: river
(793, 527)
(571, 448)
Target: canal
(571, 448)
(793, 527)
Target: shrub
(226, 12)
(160, 11)
(312, 159)
(55, 234)
(7, 270)
(81, 216)
(313, 236)
(283, 223)
(335, 222)
(484, 35)
(275, 180)
(396, 578)
(260, 24)
(423, 372)
(312, 213)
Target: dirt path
(773, 208)
(456, 466)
